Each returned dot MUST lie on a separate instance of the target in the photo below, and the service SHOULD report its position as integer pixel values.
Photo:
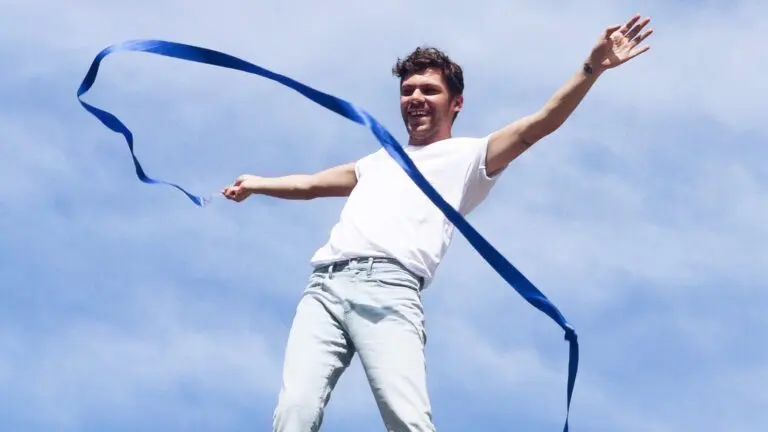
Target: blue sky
(127, 308)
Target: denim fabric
(371, 307)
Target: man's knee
(297, 413)
(408, 419)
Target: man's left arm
(616, 45)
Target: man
(364, 295)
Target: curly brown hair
(425, 57)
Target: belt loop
(370, 266)
(330, 270)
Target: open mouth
(417, 113)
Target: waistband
(360, 262)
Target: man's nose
(417, 96)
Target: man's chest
(445, 172)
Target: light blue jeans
(369, 306)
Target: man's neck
(425, 141)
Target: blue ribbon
(203, 55)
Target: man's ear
(458, 103)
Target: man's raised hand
(620, 43)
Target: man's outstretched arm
(333, 182)
(615, 46)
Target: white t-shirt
(387, 215)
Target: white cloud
(67, 376)
(697, 65)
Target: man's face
(427, 106)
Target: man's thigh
(386, 324)
(317, 353)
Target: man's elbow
(317, 186)
(507, 144)
(307, 188)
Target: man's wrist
(254, 185)
(591, 70)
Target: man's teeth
(418, 113)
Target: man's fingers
(611, 30)
(637, 51)
(636, 41)
(635, 30)
(229, 192)
(628, 25)
(235, 193)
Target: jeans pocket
(395, 278)
(399, 292)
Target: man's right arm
(333, 182)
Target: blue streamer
(207, 56)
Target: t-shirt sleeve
(362, 163)
(481, 154)
(479, 183)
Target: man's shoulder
(460, 146)
(372, 156)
